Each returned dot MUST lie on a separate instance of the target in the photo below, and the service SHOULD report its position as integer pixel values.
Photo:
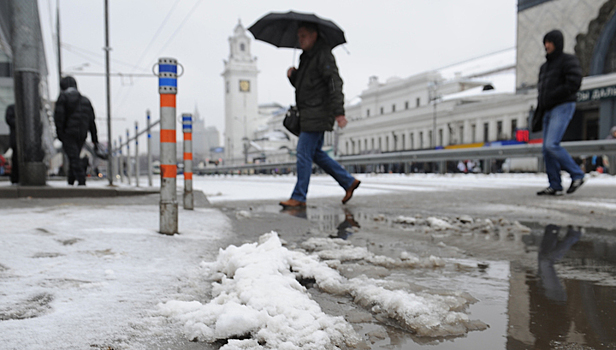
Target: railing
(575, 148)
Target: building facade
(463, 104)
(493, 96)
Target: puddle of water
(550, 288)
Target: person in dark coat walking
(320, 102)
(9, 117)
(560, 78)
(74, 117)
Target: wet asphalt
(567, 301)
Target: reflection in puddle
(346, 227)
(558, 292)
(299, 212)
(559, 312)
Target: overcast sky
(385, 38)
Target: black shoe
(550, 192)
(575, 184)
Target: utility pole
(25, 44)
(58, 42)
(107, 49)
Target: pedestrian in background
(74, 117)
(320, 101)
(612, 134)
(9, 117)
(560, 78)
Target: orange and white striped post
(167, 88)
(189, 198)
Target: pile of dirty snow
(258, 303)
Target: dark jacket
(9, 117)
(318, 89)
(560, 78)
(74, 115)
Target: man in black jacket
(74, 117)
(9, 116)
(559, 81)
(320, 102)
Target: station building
(490, 98)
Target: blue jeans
(309, 150)
(555, 122)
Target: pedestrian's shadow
(346, 227)
(552, 250)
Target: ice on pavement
(259, 303)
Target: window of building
(499, 130)
(440, 137)
(412, 140)
(6, 69)
(242, 47)
(421, 143)
(393, 108)
(347, 147)
(403, 142)
(430, 142)
(461, 134)
(365, 144)
(514, 126)
(418, 102)
(406, 105)
(367, 112)
(382, 110)
(473, 133)
(352, 146)
(373, 144)
(380, 144)
(486, 132)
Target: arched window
(242, 47)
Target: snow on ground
(221, 188)
(77, 277)
(259, 303)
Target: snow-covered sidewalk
(81, 277)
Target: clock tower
(241, 105)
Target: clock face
(244, 85)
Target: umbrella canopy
(280, 29)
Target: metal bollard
(149, 145)
(121, 159)
(189, 198)
(167, 88)
(129, 165)
(137, 153)
(115, 167)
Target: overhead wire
(180, 26)
(158, 31)
(186, 18)
(70, 47)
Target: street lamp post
(434, 97)
(108, 88)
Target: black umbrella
(280, 29)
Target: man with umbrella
(320, 101)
